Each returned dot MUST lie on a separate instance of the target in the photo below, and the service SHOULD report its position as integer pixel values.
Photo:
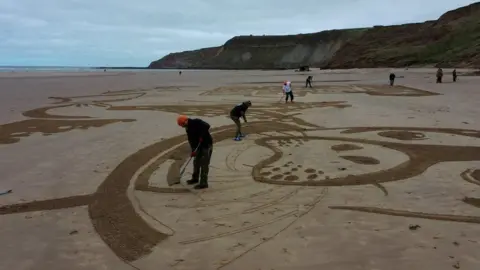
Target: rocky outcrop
(187, 59)
(452, 40)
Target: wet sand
(354, 175)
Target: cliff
(187, 59)
(451, 40)
(263, 52)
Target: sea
(72, 69)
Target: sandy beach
(354, 175)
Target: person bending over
(235, 114)
(201, 143)
(308, 82)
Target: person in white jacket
(287, 90)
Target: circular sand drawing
(301, 159)
(323, 160)
(320, 164)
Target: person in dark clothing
(454, 73)
(392, 78)
(439, 75)
(308, 82)
(235, 114)
(201, 143)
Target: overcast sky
(134, 33)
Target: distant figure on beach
(308, 82)
(392, 78)
(180, 73)
(439, 75)
(454, 73)
(287, 89)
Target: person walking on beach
(392, 78)
(439, 75)
(308, 82)
(454, 73)
(235, 114)
(287, 89)
(201, 143)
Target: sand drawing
(472, 176)
(46, 123)
(421, 157)
(272, 89)
(12, 132)
(273, 127)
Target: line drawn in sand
(130, 237)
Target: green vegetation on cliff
(452, 40)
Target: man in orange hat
(201, 143)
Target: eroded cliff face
(263, 52)
(452, 40)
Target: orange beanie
(182, 120)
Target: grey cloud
(122, 32)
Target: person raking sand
(235, 114)
(308, 82)
(201, 143)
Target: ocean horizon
(85, 69)
(88, 69)
(61, 68)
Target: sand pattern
(260, 187)
(261, 90)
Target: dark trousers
(439, 79)
(236, 120)
(287, 95)
(308, 83)
(455, 78)
(201, 163)
(392, 81)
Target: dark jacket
(196, 129)
(392, 76)
(439, 73)
(239, 110)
